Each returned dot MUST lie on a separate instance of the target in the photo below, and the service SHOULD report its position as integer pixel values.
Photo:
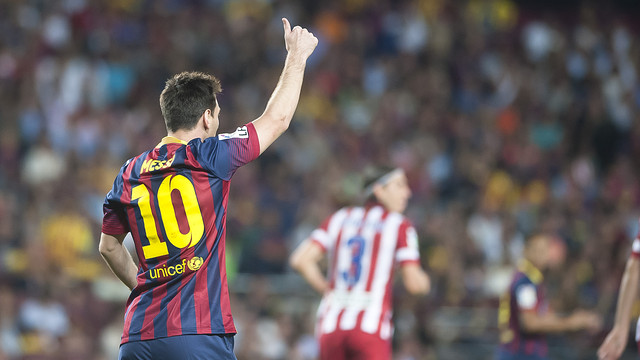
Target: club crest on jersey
(192, 264)
(195, 263)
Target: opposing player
(524, 317)
(616, 341)
(364, 244)
(173, 200)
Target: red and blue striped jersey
(173, 200)
(525, 294)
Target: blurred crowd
(509, 119)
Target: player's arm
(306, 260)
(300, 43)
(616, 340)
(415, 279)
(532, 322)
(116, 255)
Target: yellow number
(191, 208)
(169, 218)
(156, 247)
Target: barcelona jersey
(525, 294)
(173, 200)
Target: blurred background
(508, 116)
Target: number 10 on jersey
(168, 215)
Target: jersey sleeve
(407, 250)
(321, 235)
(526, 297)
(225, 153)
(328, 233)
(114, 221)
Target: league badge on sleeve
(240, 133)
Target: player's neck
(187, 135)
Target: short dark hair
(186, 96)
(371, 176)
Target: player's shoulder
(387, 215)
(242, 132)
(344, 214)
(339, 215)
(345, 211)
(520, 279)
(212, 143)
(130, 162)
(198, 149)
(135, 160)
(405, 220)
(401, 219)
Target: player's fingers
(287, 26)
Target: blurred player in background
(524, 317)
(173, 200)
(364, 244)
(616, 341)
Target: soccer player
(173, 200)
(364, 244)
(616, 341)
(524, 317)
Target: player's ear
(377, 191)
(205, 119)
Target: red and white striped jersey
(363, 246)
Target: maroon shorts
(353, 345)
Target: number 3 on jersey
(356, 245)
(168, 215)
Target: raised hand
(298, 41)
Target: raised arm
(118, 258)
(616, 341)
(300, 44)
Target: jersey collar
(532, 272)
(170, 140)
